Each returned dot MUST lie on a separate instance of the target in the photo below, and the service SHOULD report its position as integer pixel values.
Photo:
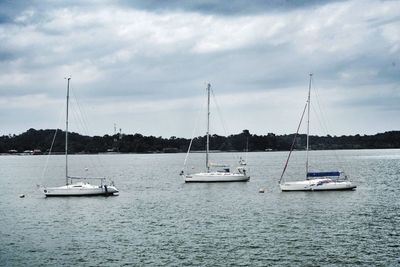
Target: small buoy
(261, 190)
(21, 196)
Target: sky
(144, 66)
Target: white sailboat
(223, 175)
(315, 180)
(81, 186)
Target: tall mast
(308, 122)
(208, 126)
(66, 136)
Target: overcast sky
(144, 65)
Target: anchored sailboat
(223, 175)
(315, 180)
(82, 187)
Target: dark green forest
(40, 141)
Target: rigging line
(81, 116)
(79, 124)
(219, 112)
(51, 146)
(294, 141)
(193, 133)
(76, 118)
(84, 125)
(48, 155)
(319, 102)
(220, 116)
(76, 112)
(82, 128)
(318, 118)
(324, 123)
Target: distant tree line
(41, 140)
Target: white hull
(322, 184)
(80, 189)
(211, 177)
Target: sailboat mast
(66, 135)
(308, 122)
(208, 127)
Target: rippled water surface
(159, 220)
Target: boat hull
(317, 185)
(216, 177)
(80, 190)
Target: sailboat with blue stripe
(315, 180)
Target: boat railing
(86, 178)
(102, 179)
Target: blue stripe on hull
(227, 181)
(316, 190)
(323, 174)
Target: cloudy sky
(144, 65)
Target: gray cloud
(151, 59)
(233, 7)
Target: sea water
(158, 220)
